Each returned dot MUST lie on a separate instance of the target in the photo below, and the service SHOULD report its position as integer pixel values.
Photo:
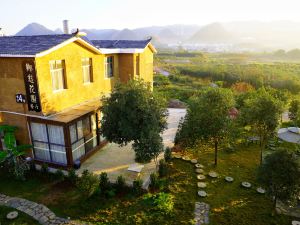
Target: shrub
(154, 182)
(120, 184)
(137, 186)
(168, 154)
(110, 193)
(103, 181)
(161, 202)
(72, 176)
(59, 175)
(162, 168)
(45, 168)
(87, 184)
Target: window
(57, 71)
(87, 70)
(137, 65)
(48, 143)
(109, 66)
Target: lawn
(230, 203)
(22, 219)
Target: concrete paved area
(115, 160)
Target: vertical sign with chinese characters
(32, 92)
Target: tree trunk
(216, 153)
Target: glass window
(137, 65)
(87, 70)
(109, 66)
(57, 71)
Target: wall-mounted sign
(32, 92)
(20, 98)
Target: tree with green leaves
(12, 155)
(294, 111)
(132, 113)
(280, 175)
(262, 112)
(207, 118)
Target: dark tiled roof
(30, 45)
(121, 43)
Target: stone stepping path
(213, 174)
(201, 185)
(246, 184)
(201, 213)
(199, 166)
(194, 161)
(37, 211)
(199, 171)
(261, 190)
(201, 177)
(229, 179)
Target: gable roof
(39, 45)
(122, 46)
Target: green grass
(22, 219)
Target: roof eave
(16, 56)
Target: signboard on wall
(20, 98)
(32, 92)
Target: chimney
(66, 26)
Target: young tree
(280, 175)
(133, 113)
(262, 112)
(207, 118)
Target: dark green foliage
(72, 176)
(168, 154)
(294, 111)
(131, 112)
(154, 181)
(59, 175)
(137, 186)
(162, 168)
(161, 80)
(44, 168)
(87, 184)
(104, 183)
(280, 175)
(120, 184)
(161, 202)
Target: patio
(115, 160)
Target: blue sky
(15, 14)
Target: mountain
(125, 34)
(212, 34)
(58, 31)
(34, 29)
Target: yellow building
(51, 86)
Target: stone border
(37, 211)
(201, 213)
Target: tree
(262, 113)
(207, 118)
(294, 110)
(133, 113)
(280, 175)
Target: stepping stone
(12, 215)
(261, 191)
(201, 185)
(294, 222)
(194, 161)
(199, 171)
(246, 184)
(199, 166)
(213, 174)
(229, 179)
(201, 177)
(186, 158)
(202, 193)
(177, 156)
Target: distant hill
(125, 34)
(34, 29)
(211, 34)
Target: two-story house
(51, 86)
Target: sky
(119, 14)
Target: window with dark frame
(109, 66)
(87, 70)
(57, 71)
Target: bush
(103, 181)
(120, 184)
(59, 175)
(168, 154)
(87, 184)
(154, 181)
(162, 168)
(137, 186)
(110, 193)
(72, 176)
(45, 168)
(161, 202)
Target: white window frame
(59, 74)
(87, 67)
(106, 66)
